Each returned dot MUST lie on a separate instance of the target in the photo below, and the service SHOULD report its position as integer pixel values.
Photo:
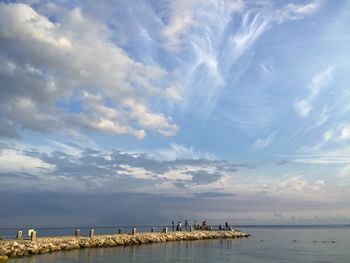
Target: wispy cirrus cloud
(318, 82)
(264, 142)
(184, 14)
(176, 151)
(208, 73)
(295, 11)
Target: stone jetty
(42, 245)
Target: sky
(145, 112)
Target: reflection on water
(265, 245)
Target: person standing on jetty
(173, 225)
(226, 225)
(186, 224)
(179, 225)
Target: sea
(267, 244)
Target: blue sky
(191, 105)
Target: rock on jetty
(22, 248)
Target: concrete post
(211, 228)
(133, 231)
(77, 232)
(120, 231)
(153, 229)
(91, 232)
(30, 232)
(165, 230)
(19, 234)
(230, 228)
(33, 236)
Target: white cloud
(327, 136)
(264, 142)
(328, 152)
(177, 151)
(253, 25)
(317, 84)
(185, 14)
(295, 11)
(12, 161)
(21, 22)
(148, 119)
(180, 19)
(303, 108)
(344, 132)
(320, 80)
(136, 172)
(339, 133)
(297, 183)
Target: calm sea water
(266, 244)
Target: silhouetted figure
(186, 224)
(173, 225)
(226, 225)
(204, 224)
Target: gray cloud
(111, 171)
(203, 177)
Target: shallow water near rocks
(266, 244)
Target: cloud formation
(47, 66)
(92, 170)
(97, 170)
(66, 69)
(218, 105)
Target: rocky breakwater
(22, 248)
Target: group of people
(196, 226)
(203, 226)
(179, 226)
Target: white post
(30, 232)
(19, 234)
(133, 231)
